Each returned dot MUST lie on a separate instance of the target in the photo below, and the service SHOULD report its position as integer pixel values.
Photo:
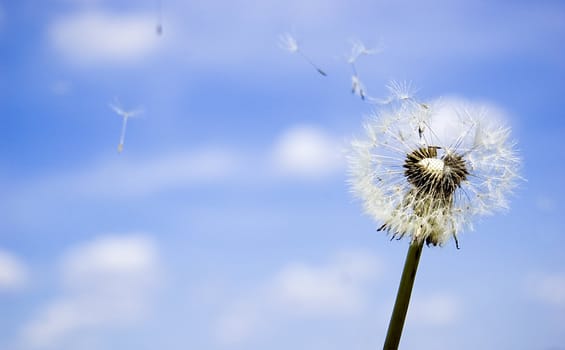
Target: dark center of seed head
(437, 177)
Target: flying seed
(125, 116)
(289, 43)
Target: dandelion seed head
(426, 170)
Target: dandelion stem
(403, 296)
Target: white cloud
(301, 290)
(438, 309)
(110, 258)
(121, 177)
(13, 273)
(306, 151)
(333, 288)
(240, 323)
(301, 152)
(325, 26)
(103, 37)
(107, 282)
(549, 289)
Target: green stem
(403, 296)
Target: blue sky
(226, 222)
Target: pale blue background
(216, 81)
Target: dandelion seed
(159, 26)
(426, 170)
(289, 43)
(399, 92)
(357, 87)
(125, 116)
(358, 49)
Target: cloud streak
(307, 152)
(301, 153)
(108, 283)
(117, 178)
(438, 309)
(13, 272)
(548, 289)
(299, 290)
(93, 37)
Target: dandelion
(125, 116)
(289, 43)
(358, 49)
(424, 171)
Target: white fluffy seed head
(425, 170)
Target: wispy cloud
(242, 321)
(237, 42)
(92, 37)
(329, 23)
(438, 309)
(332, 288)
(133, 256)
(13, 272)
(107, 283)
(300, 152)
(548, 288)
(297, 156)
(300, 289)
(544, 203)
(144, 176)
(307, 152)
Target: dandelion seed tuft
(125, 116)
(359, 49)
(398, 92)
(425, 170)
(357, 87)
(288, 42)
